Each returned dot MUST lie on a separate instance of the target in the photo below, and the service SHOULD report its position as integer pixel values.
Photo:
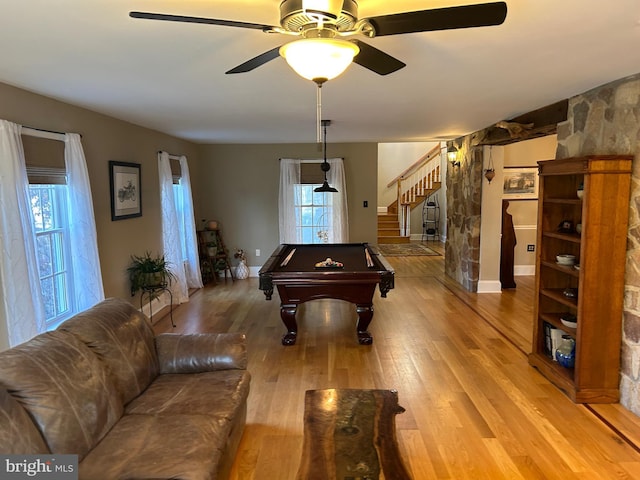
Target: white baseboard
(524, 270)
(417, 237)
(489, 286)
(157, 305)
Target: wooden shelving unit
(214, 257)
(600, 251)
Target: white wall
(393, 159)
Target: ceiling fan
(336, 23)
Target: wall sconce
(452, 155)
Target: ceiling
(170, 76)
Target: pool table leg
(288, 315)
(365, 314)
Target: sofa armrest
(201, 352)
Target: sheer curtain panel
(289, 178)
(336, 178)
(337, 202)
(194, 277)
(22, 306)
(172, 248)
(87, 275)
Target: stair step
(387, 217)
(389, 232)
(395, 224)
(394, 239)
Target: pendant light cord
(319, 113)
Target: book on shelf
(552, 339)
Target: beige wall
(235, 184)
(239, 188)
(105, 138)
(525, 212)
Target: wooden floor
(474, 407)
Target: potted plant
(147, 272)
(212, 249)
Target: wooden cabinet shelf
(598, 284)
(575, 238)
(557, 296)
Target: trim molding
(489, 286)
(524, 270)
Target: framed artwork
(124, 182)
(520, 183)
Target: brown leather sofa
(130, 404)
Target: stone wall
(606, 120)
(464, 196)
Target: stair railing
(415, 184)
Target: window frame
(60, 272)
(318, 230)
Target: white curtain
(22, 306)
(194, 278)
(289, 178)
(87, 276)
(171, 242)
(336, 178)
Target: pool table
(294, 271)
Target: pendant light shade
(319, 59)
(325, 188)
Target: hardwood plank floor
(474, 407)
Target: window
(313, 214)
(178, 197)
(51, 226)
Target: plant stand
(152, 292)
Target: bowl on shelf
(565, 259)
(569, 320)
(570, 292)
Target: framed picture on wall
(126, 194)
(520, 183)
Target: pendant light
(490, 172)
(325, 165)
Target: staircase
(389, 229)
(414, 185)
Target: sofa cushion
(185, 447)
(201, 352)
(18, 434)
(122, 338)
(65, 389)
(220, 394)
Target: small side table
(152, 292)
(350, 434)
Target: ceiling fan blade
(465, 16)
(208, 21)
(376, 60)
(256, 61)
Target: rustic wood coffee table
(350, 435)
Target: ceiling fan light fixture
(319, 58)
(322, 8)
